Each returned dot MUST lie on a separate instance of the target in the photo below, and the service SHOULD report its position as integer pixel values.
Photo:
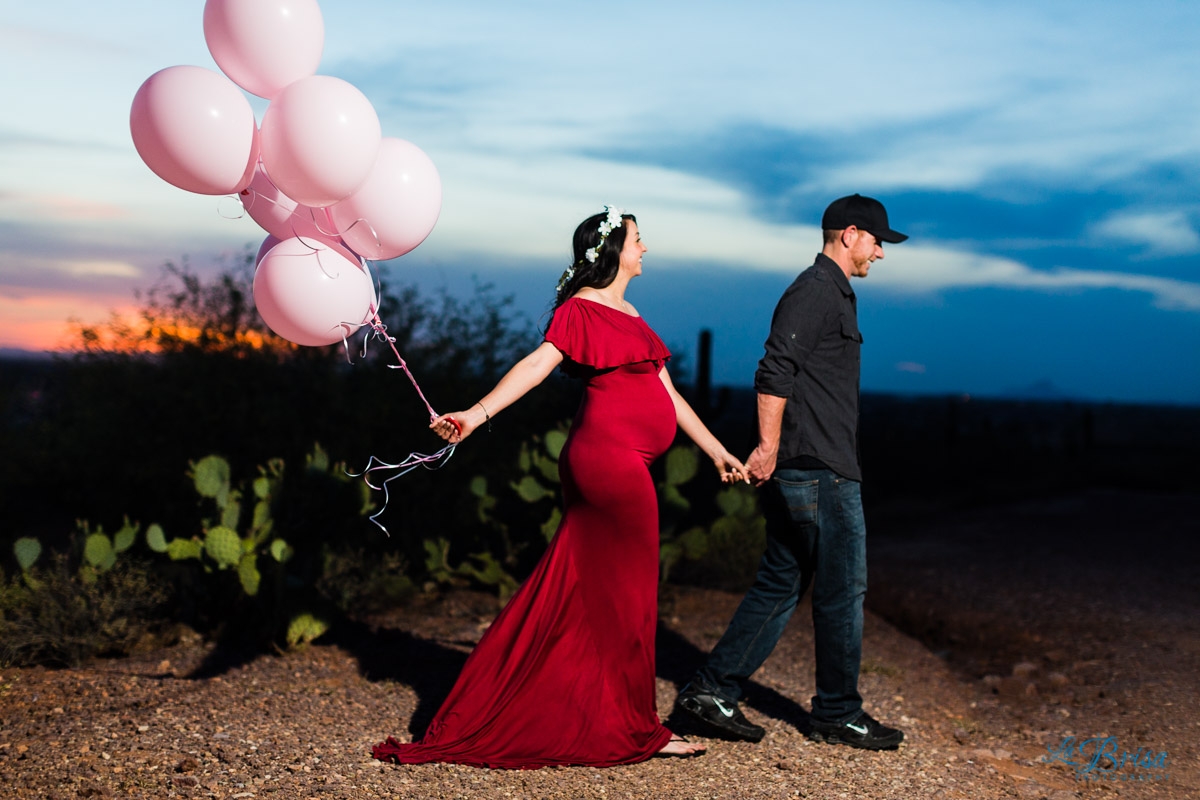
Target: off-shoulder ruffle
(593, 335)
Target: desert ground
(994, 635)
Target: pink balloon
(195, 130)
(279, 214)
(313, 292)
(320, 137)
(263, 45)
(266, 245)
(396, 207)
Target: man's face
(864, 249)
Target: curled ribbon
(413, 460)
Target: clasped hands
(757, 470)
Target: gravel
(1010, 664)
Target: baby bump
(627, 408)
(626, 420)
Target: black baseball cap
(865, 213)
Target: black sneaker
(717, 714)
(863, 731)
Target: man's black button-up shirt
(812, 358)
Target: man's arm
(761, 462)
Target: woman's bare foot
(681, 748)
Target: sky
(1043, 158)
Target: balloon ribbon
(376, 465)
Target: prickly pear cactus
(123, 539)
(237, 533)
(27, 550)
(694, 543)
(211, 477)
(303, 629)
(317, 460)
(262, 515)
(682, 465)
(181, 549)
(734, 502)
(530, 490)
(735, 540)
(437, 559)
(490, 572)
(231, 512)
(248, 574)
(156, 540)
(555, 440)
(223, 546)
(281, 551)
(98, 552)
(550, 526)
(537, 481)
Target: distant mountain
(1045, 389)
(17, 354)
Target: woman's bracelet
(486, 416)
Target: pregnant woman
(565, 674)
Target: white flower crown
(610, 223)
(607, 226)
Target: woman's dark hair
(601, 272)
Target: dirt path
(1031, 640)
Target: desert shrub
(361, 581)
(60, 614)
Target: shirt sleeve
(796, 329)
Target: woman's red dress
(565, 674)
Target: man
(808, 457)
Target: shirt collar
(835, 272)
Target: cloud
(1161, 233)
(940, 171)
(513, 211)
(930, 269)
(911, 366)
(29, 40)
(688, 220)
(21, 272)
(97, 269)
(15, 205)
(14, 141)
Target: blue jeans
(816, 536)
